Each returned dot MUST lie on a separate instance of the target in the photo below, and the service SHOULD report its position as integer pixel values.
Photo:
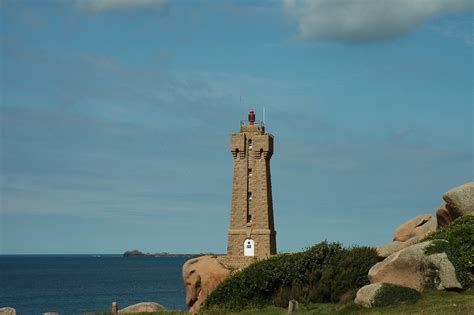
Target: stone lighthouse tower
(251, 232)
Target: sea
(77, 284)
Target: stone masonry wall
(252, 205)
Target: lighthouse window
(250, 196)
(250, 172)
(250, 144)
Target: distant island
(137, 253)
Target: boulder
(7, 311)
(417, 267)
(383, 294)
(144, 307)
(386, 250)
(444, 216)
(201, 276)
(418, 226)
(460, 200)
(365, 297)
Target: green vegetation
(330, 273)
(390, 294)
(144, 313)
(460, 234)
(322, 273)
(431, 302)
(442, 246)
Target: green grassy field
(432, 302)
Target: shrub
(460, 234)
(442, 246)
(321, 273)
(390, 294)
(346, 270)
(255, 285)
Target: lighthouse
(251, 232)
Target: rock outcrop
(202, 275)
(144, 307)
(366, 295)
(382, 294)
(7, 311)
(410, 264)
(386, 250)
(443, 216)
(418, 226)
(409, 233)
(416, 268)
(459, 201)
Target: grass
(432, 302)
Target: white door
(249, 247)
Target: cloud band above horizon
(365, 21)
(107, 5)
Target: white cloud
(106, 5)
(366, 20)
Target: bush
(460, 234)
(442, 246)
(255, 285)
(390, 294)
(346, 270)
(322, 273)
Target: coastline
(137, 253)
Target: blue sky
(115, 118)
